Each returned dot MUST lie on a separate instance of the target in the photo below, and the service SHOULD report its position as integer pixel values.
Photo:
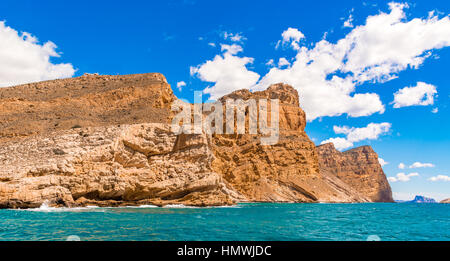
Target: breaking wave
(46, 208)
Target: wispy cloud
(180, 85)
(439, 178)
(371, 132)
(421, 165)
(349, 22)
(234, 37)
(168, 37)
(402, 177)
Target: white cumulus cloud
(388, 43)
(371, 132)
(382, 162)
(180, 85)
(439, 178)
(283, 62)
(421, 165)
(227, 71)
(291, 36)
(374, 52)
(401, 166)
(327, 74)
(421, 94)
(339, 143)
(23, 59)
(231, 49)
(270, 63)
(402, 177)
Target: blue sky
(177, 38)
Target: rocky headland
(107, 141)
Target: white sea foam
(231, 206)
(184, 206)
(46, 208)
(141, 206)
(178, 206)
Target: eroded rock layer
(106, 141)
(285, 172)
(359, 168)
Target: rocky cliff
(106, 140)
(359, 168)
(445, 201)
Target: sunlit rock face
(107, 141)
(359, 168)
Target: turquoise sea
(262, 221)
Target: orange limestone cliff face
(359, 168)
(107, 141)
(285, 172)
(86, 101)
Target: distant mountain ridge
(418, 199)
